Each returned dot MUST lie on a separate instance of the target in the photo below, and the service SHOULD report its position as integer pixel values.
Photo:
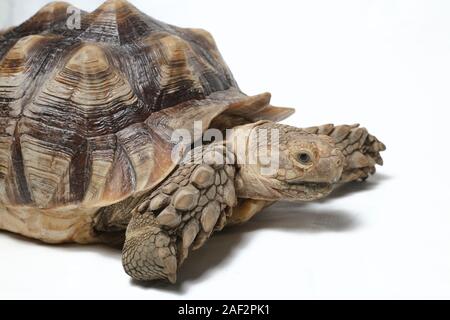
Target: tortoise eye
(304, 158)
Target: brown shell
(86, 115)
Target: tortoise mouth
(312, 185)
(305, 190)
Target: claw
(170, 264)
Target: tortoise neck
(248, 146)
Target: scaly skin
(360, 148)
(162, 230)
(192, 203)
(361, 151)
(198, 197)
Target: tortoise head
(279, 162)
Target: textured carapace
(86, 113)
(89, 103)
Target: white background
(385, 64)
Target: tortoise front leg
(361, 151)
(177, 217)
(360, 148)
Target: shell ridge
(21, 192)
(120, 154)
(115, 20)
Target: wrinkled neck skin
(249, 183)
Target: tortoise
(91, 123)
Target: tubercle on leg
(178, 217)
(360, 148)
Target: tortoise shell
(86, 114)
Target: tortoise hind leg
(192, 203)
(110, 223)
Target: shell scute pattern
(75, 104)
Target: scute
(86, 114)
(88, 60)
